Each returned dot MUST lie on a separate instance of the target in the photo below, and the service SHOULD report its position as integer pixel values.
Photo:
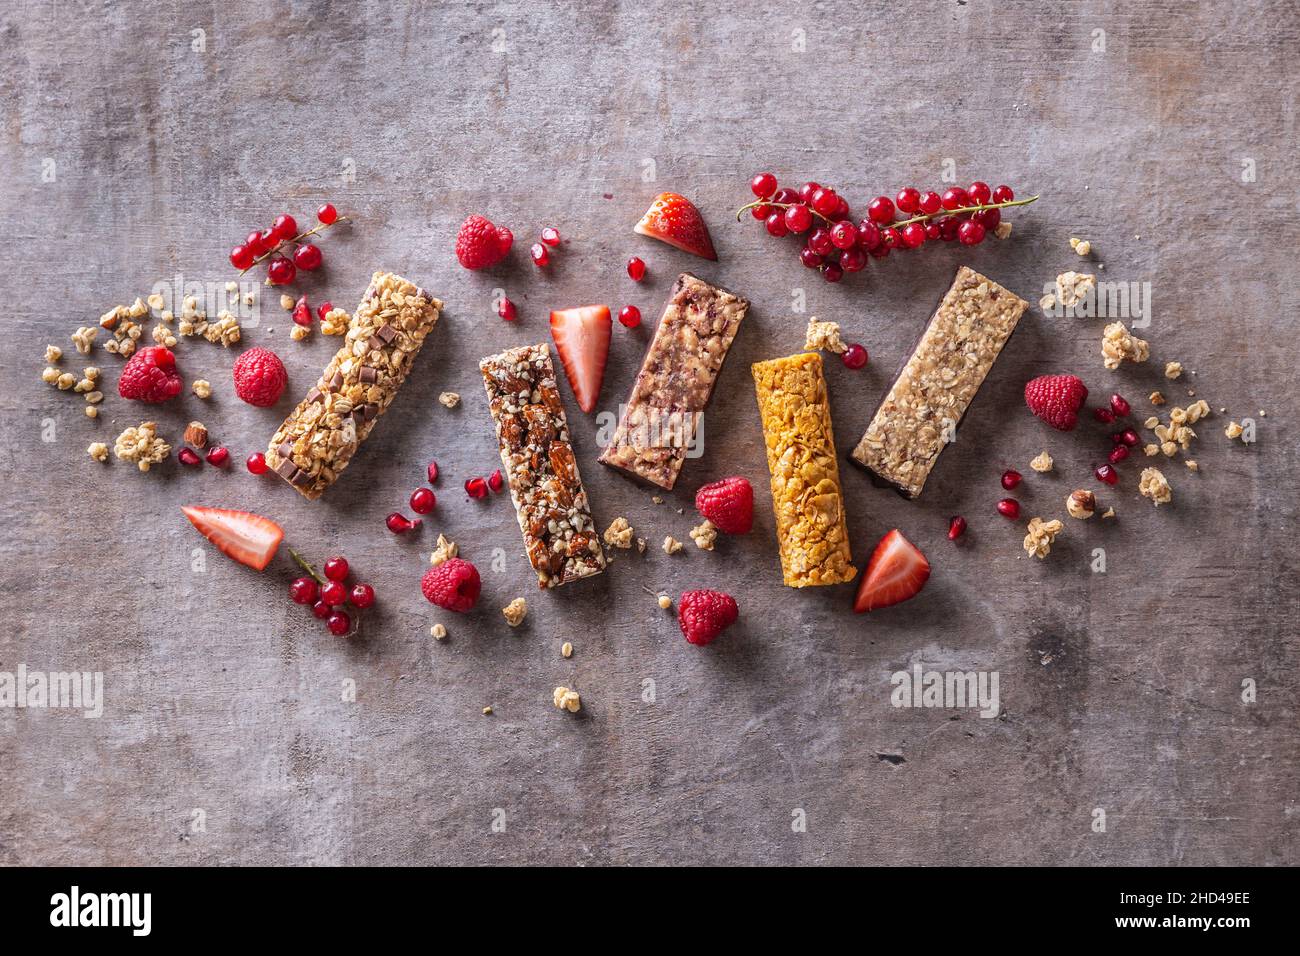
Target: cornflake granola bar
(319, 438)
(675, 382)
(811, 530)
(937, 385)
(560, 537)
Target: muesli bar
(676, 380)
(811, 531)
(920, 414)
(560, 537)
(319, 438)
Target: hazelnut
(1081, 504)
(196, 434)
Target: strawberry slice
(582, 339)
(247, 538)
(897, 571)
(675, 220)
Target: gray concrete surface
(136, 149)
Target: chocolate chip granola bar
(319, 438)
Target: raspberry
(728, 503)
(480, 244)
(150, 376)
(704, 615)
(452, 585)
(1056, 399)
(260, 377)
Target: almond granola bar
(319, 438)
(560, 537)
(811, 530)
(937, 385)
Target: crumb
(84, 339)
(1154, 486)
(438, 632)
(487, 711)
(1233, 430)
(671, 545)
(1151, 449)
(704, 535)
(515, 611)
(1038, 541)
(1074, 287)
(92, 411)
(52, 354)
(1117, 344)
(449, 399)
(51, 375)
(336, 322)
(655, 499)
(1003, 230)
(250, 297)
(298, 332)
(1151, 422)
(566, 699)
(1156, 398)
(202, 388)
(1108, 513)
(822, 336)
(445, 551)
(156, 302)
(1173, 370)
(640, 545)
(665, 601)
(286, 302)
(1192, 465)
(619, 534)
(566, 650)
(1042, 463)
(98, 451)
(1081, 246)
(232, 286)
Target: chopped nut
(656, 500)
(487, 711)
(94, 398)
(163, 336)
(286, 302)
(619, 534)
(566, 699)
(449, 399)
(1081, 504)
(91, 373)
(1108, 513)
(1156, 398)
(250, 297)
(98, 451)
(438, 632)
(299, 332)
(1233, 430)
(515, 611)
(1038, 541)
(65, 381)
(225, 330)
(1192, 465)
(1118, 345)
(1003, 230)
(671, 545)
(1151, 449)
(196, 434)
(142, 445)
(823, 335)
(202, 388)
(665, 601)
(92, 411)
(1153, 485)
(1197, 410)
(51, 375)
(566, 650)
(704, 535)
(52, 354)
(1042, 463)
(445, 551)
(1151, 422)
(137, 308)
(1173, 370)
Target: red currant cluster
(328, 595)
(834, 245)
(262, 245)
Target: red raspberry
(150, 376)
(452, 585)
(704, 615)
(1056, 399)
(728, 503)
(480, 244)
(260, 377)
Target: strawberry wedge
(675, 220)
(897, 571)
(247, 538)
(582, 339)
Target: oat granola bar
(938, 383)
(321, 435)
(560, 537)
(811, 530)
(676, 380)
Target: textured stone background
(1121, 690)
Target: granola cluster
(142, 445)
(704, 535)
(1042, 463)
(1071, 289)
(619, 533)
(1038, 542)
(444, 552)
(515, 611)
(1119, 345)
(1178, 434)
(823, 336)
(565, 699)
(1153, 485)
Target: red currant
(932, 231)
(281, 271)
(854, 357)
(322, 610)
(241, 257)
(820, 241)
(307, 257)
(1009, 508)
(630, 316)
(268, 239)
(798, 218)
(432, 472)
(537, 252)
(776, 224)
(336, 569)
(327, 214)
(948, 227)
(853, 260)
(890, 238)
(551, 236)
(763, 185)
(955, 198)
(831, 272)
(825, 201)
(914, 235)
(636, 269)
(257, 463)
(844, 235)
(978, 192)
(1003, 194)
(868, 234)
(880, 251)
(324, 309)
(339, 623)
(303, 591)
(809, 258)
(988, 218)
(908, 200)
(841, 209)
(333, 593)
(761, 211)
(256, 241)
(786, 196)
(423, 501)
(806, 192)
(507, 310)
(881, 210)
(971, 233)
(362, 596)
(931, 203)
(218, 456)
(284, 227)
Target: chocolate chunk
(285, 449)
(367, 375)
(375, 342)
(370, 410)
(286, 469)
(336, 382)
(387, 333)
(300, 479)
(314, 395)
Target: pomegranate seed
(956, 527)
(336, 569)
(1009, 508)
(333, 593)
(218, 456)
(868, 235)
(539, 255)
(798, 218)
(256, 242)
(854, 357)
(810, 258)
(630, 316)
(881, 210)
(281, 271)
(1117, 438)
(398, 523)
(1118, 454)
(432, 472)
(955, 198)
(423, 501)
(831, 272)
(931, 203)
(844, 235)
(189, 457)
(1119, 406)
(1129, 437)
(476, 488)
(1103, 415)
(257, 463)
(324, 309)
(339, 623)
(284, 227)
(322, 610)
(908, 200)
(1107, 474)
(914, 235)
(853, 260)
(636, 269)
(327, 214)
(302, 312)
(551, 236)
(362, 596)
(241, 257)
(507, 310)
(1003, 194)
(979, 192)
(307, 257)
(775, 224)
(1010, 478)
(494, 480)
(763, 185)
(303, 591)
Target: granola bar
(560, 537)
(811, 530)
(681, 366)
(938, 383)
(319, 438)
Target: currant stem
(321, 227)
(780, 205)
(964, 210)
(302, 563)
